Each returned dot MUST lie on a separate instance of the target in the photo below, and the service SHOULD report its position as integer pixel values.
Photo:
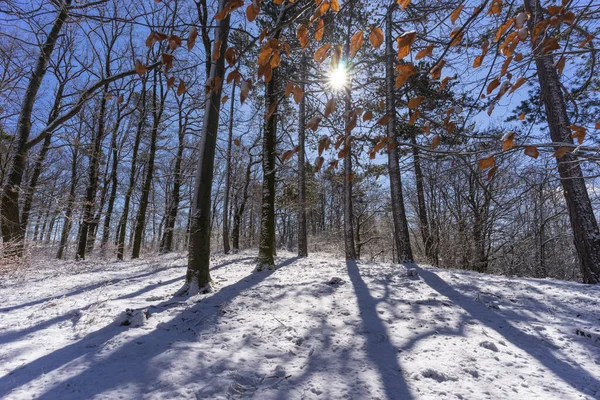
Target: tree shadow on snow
(569, 372)
(131, 363)
(383, 355)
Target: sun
(338, 77)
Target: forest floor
(315, 328)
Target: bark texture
(583, 222)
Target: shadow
(87, 288)
(122, 365)
(569, 372)
(226, 263)
(380, 351)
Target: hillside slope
(315, 328)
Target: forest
(221, 154)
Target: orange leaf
(436, 72)
(405, 72)
(551, 44)
(287, 155)
(180, 88)
(385, 119)
(435, 142)
(518, 83)
(356, 43)
(320, 30)
(367, 116)
(493, 85)
(456, 13)
(322, 53)
(318, 164)
(191, 40)
(140, 68)
(495, 7)
(560, 152)
(403, 3)
(253, 10)
(425, 52)
(298, 94)
(532, 152)
(330, 107)
(314, 123)
(508, 141)
(376, 37)
(486, 163)
(415, 102)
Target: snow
(315, 328)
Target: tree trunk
(173, 209)
(114, 180)
(428, 242)
(140, 221)
(302, 234)
(583, 222)
(92, 188)
(266, 246)
(122, 229)
(401, 236)
(66, 228)
(9, 204)
(198, 271)
(39, 162)
(237, 217)
(228, 174)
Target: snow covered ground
(315, 328)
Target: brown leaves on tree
(579, 133)
(298, 94)
(356, 43)
(330, 107)
(436, 72)
(228, 8)
(415, 102)
(322, 53)
(324, 144)
(435, 142)
(486, 162)
(404, 42)
(302, 35)
(532, 152)
(560, 152)
(376, 37)
(518, 83)
(551, 44)
(427, 51)
(318, 164)
(405, 71)
(508, 141)
(180, 88)
(456, 14)
(320, 30)
(155, 37)
(287, 155)
(170, 82)
(191, 40)
(403, 3)
(140, 68)
(314, 123)
(495, 7)
(253, 10)
(385, 119)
